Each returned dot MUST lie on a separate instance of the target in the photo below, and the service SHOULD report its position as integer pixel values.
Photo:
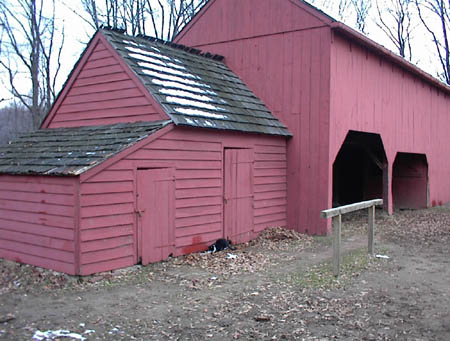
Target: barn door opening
(238, 195)
(155, 210)
(360, 170)
(410, 181)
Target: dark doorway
(410, 181)
(360, 169)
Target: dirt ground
(279, 287)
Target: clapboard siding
(270, 202)
(38, 221)
(110, 231)
(108, 198)
(107, 221)
(102, 92)
(99, 199)
(113, 263)
(45, 198)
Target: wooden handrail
(336, 215)
(332, 212)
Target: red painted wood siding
(227, 20)
(38, 221)
(373, 95)
(108, 218)
(238, 195)
(103, 93)
(286, 62)
(155, 192)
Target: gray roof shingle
(192, 89)
(71, 151)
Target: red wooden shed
(365, 122)
(151, 149)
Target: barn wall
(286, 63)
(38, 221)
(102, 93)
(369, 93)
(108, 199)
(227, 20)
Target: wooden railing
(336, 215)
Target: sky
(78, 33)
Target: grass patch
(321, 276)
(323, 240)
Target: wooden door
(238, 195)
(155, 209)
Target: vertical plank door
(155, 209)
(238, 195)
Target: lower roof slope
(71, 151)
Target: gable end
(102, 90)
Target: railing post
(371, 229)
(337, 221)
(336, 215)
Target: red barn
(151, 149)
(365, 122)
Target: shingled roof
(194, 89)
(71, 151)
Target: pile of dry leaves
(249, 257)
(278, 238)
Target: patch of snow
(176, 92)
(146, 52)
(175, 84)
(147, 59)
(196, 112)
(231, 256)
(208, 123)
(188, 120)
(91, 153)
(185, 101)
(181, 67)
(174, 78)
(115, 330)
(52, 334)
(131, 42)
(168, 70)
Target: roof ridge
(182, 47)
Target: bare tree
(172, 15)
(434, 15)
(395, 19)
(343, 9)
(160, 18)
(362, 9)
(30, 53)
(16, 119)
(90, 7)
